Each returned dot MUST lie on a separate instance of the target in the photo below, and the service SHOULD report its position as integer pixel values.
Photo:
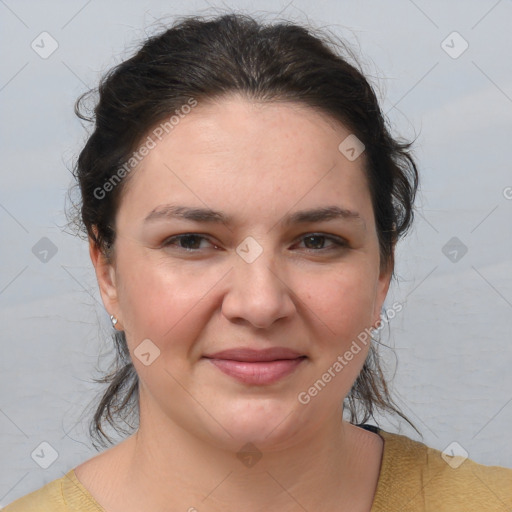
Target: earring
(113, 319)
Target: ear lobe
(105, 274)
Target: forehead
(239, 150)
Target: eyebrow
(170, 211)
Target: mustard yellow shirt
(413, 478)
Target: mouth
(257, 367)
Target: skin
(256, 162)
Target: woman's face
(267, 278)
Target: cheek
(172, 303)
(341, 315)
(163, 303)
(342, 301)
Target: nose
(258, 292)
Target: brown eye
(188, 242)
(316, 242)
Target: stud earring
(113, 319)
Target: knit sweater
(413, 478)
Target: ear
(105, 274)
(382, 288)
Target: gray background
(453, 337)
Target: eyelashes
(171, 242)
(195, 239)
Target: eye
(191, 242)
(187, 242)
(313, 241)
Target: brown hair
(207, 59)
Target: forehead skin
(254, 160)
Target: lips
(257, 367)
(252, 355)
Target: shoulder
(47, 498)
(416, 477)
(61, 495)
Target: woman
(242, 197)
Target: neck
(335, 468)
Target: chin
(269, 425)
